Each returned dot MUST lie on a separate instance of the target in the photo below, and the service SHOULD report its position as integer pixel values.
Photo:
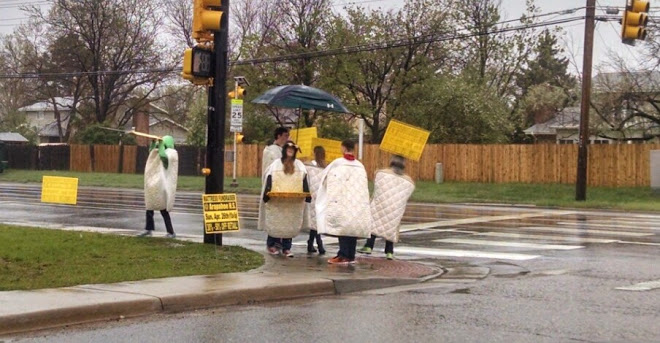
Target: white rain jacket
(342, 201)
(271, 153)
(314, 180)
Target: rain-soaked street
(520, 274)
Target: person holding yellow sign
(284, 194)
(160, 179)
(392, 189)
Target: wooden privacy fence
(609, 165)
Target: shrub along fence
(609, 165)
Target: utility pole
(587, 61)
(215, 148)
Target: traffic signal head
(198, 66)
(207, 18)
(239, 138)
(633, 23)
(239, 93)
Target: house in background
(41, 116)
(161, 126)
(562, 128)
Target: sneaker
(171, 235)
(145, 233)
(273, 250)
(321, 251)
(389, 256)
(365, 250)
(287, 253)
(339, 260)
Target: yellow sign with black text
(59, 190)
(405, 140)
(220, 213)
(303, 139)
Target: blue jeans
(284, 242)
(347, 247)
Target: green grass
(547, 195)
(187, 183)
(32, 258)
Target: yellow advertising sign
(405, 140)
(59, 190)
(331, 146)
(303, 138)
(220, 213)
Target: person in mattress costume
(392, 189)
(282, 217)
(342, 203)
(160, 178)
(314, 171)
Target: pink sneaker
(273, 250)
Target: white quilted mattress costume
(160, 183)
(391, 193)
(314, 181)
(342, 202)
(271, 153)
(283, 217)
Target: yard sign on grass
(303, 139)
(59, 190)
(405, 140)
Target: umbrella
(303, 97)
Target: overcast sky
(606, 38)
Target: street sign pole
(233, 182)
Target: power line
(325, 53)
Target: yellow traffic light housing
(239, 93)
(207, 18)
(239, 138)
(198, 66)
(634, 21)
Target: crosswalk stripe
(612, 226)
(545, 237)
(509, 244)
(580, 231)
(465, 253)
(642, 286)
(482, 219)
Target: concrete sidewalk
(279, 279)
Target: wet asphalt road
(529, 275)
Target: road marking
(545, 237)
(640, 243)
(582, 231)
(612, 226)
(465, 253)
(629, 222)
(642, 286)
(509, 244)
(482, 219)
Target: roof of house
(154, 120)
(568, 118)
(12, 137)
(47, 105)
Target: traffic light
(238, 93)
(198, 66)
(633, 23)
(207, 18)
(239, 138)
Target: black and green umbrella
(302, 97)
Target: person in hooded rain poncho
(314, 171)
(160, 179)
(282, 217)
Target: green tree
(459, 110)
(15, 121)
(197, 121)
(547, 66)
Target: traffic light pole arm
(217, 104)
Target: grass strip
(33, 258)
